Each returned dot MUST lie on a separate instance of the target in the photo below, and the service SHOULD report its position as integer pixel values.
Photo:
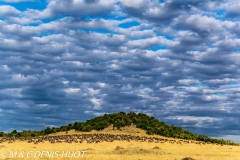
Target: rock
(156, 147)
(118, 148)
(188, 158)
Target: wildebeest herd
(94, 138)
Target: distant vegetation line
(151, 125)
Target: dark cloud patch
(145, 12)
(232, 15)
(91, 1)
(44, 94)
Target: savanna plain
(170, 149)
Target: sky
(63, 61)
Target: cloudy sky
(63, 61)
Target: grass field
(118, 150)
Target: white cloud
(188, 81)
(7, 10)
(97, 103)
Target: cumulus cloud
(79, 7)
(175, 60)
(7, 10)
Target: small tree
(14, 132)
(33, 134)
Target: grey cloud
(152, 11)
(91, 1)
(164, 12)
(199, 24)
(99, 7)
(69, 68)
(231, 9)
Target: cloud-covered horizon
(63, 61)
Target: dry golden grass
(122, 150)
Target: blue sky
(64, 61)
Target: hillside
(117, 121)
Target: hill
(117, 121)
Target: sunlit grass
(123, 150)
